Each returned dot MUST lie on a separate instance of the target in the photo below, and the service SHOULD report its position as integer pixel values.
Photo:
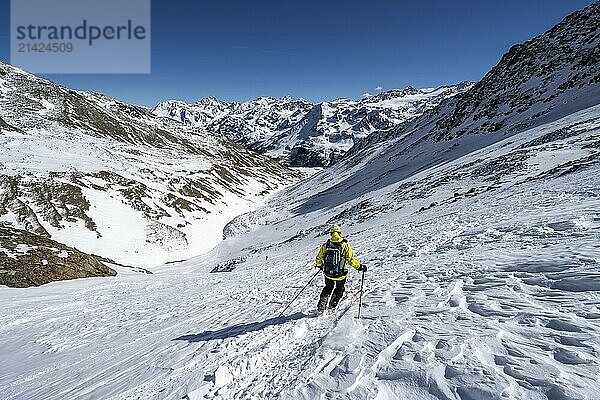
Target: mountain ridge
(300, 133)
(70, 155)
(462, 124)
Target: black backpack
(333, 259)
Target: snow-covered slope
(303, 134)
(116, 180)
(491, 294)
(536, 82)
(483, 255)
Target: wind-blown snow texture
(302, 134)
(483, 249)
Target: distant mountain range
(302, 134)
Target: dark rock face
(27, 259)
(536, 81)
(5, 126)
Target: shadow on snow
(237, 330)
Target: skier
(332, 259)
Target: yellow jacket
(346, 251)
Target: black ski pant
(326, 293)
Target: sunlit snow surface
(483, 283)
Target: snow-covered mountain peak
(304, 134)
(209, 101)
(410, 93)
(407, 91)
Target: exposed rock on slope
(540, 80)
(27, 259)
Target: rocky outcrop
(27, 259)
(537, 81)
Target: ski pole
(362, 281)
(301, 290)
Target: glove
(362, 268)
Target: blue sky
(318, 50)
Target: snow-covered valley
(115, 180)
(479, 222)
